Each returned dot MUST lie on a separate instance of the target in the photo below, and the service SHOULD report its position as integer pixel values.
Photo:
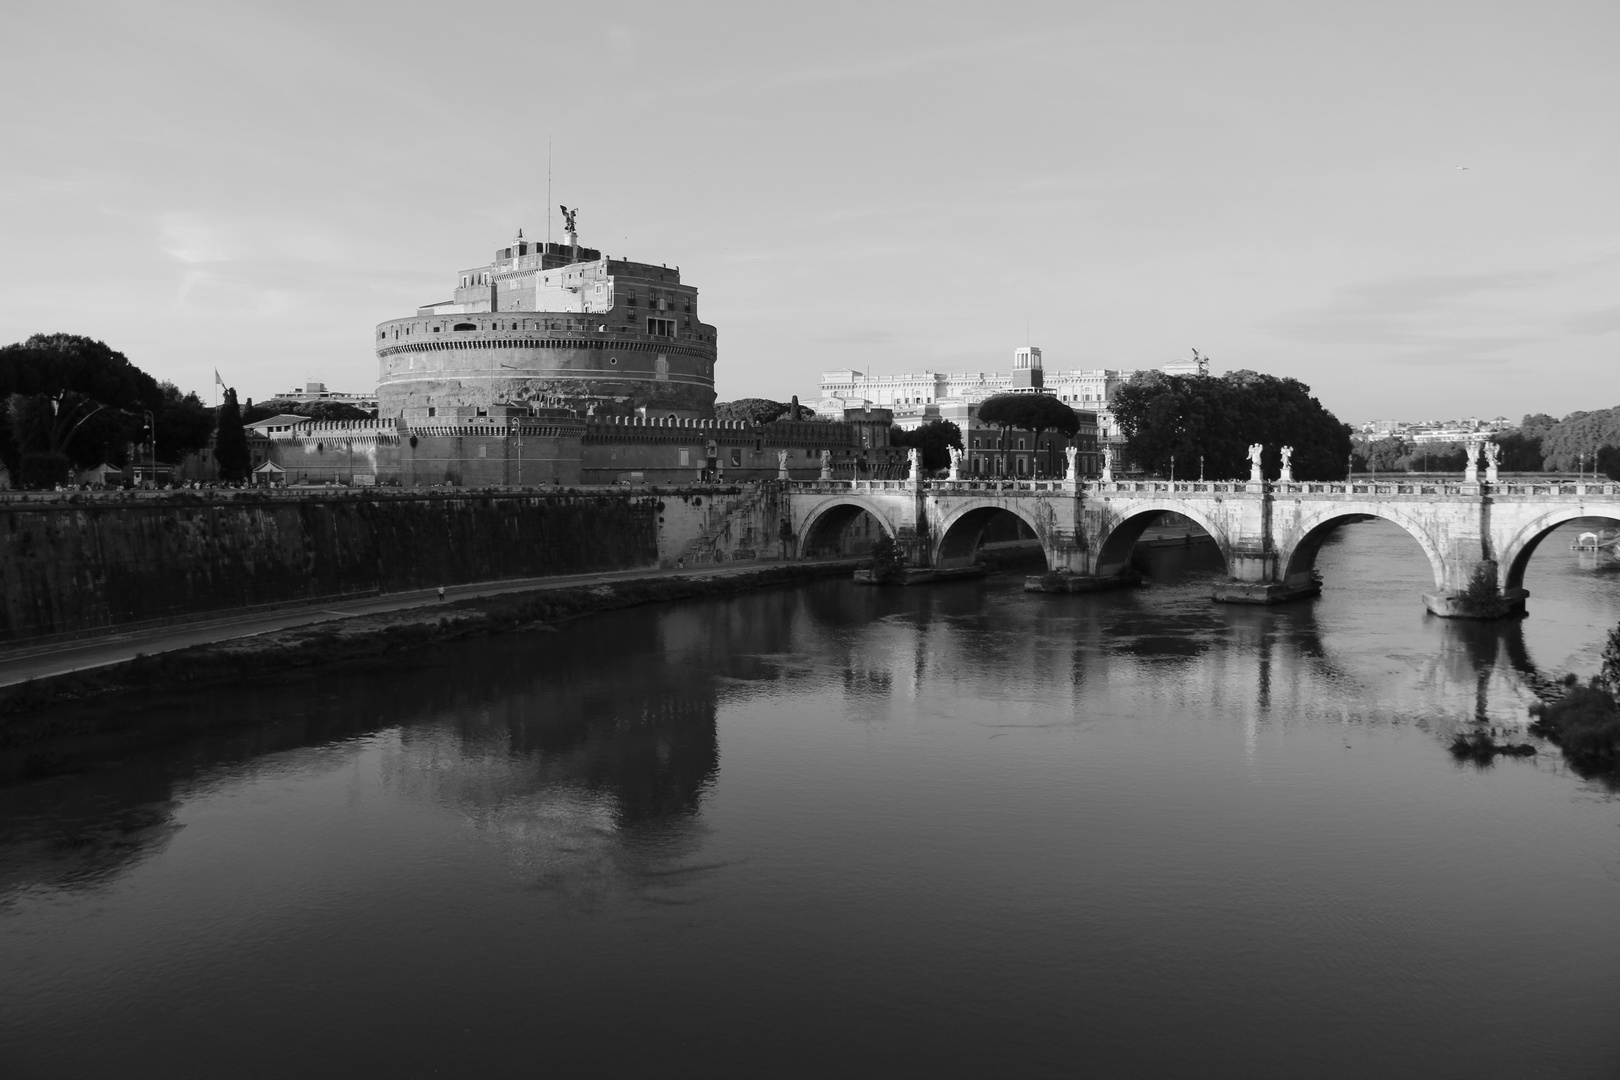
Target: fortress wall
(487, 366)
(68, 568)
(488, 460)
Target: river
(945, 831)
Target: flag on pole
(218, 379)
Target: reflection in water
(966, 828)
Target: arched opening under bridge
(1389, 535)
(991, 534)
(841, 529)
(1598, 534)
(1159, 530)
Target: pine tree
(230, 441)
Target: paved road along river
(947, 831)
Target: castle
(546, 325)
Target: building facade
(552, 325)
(920, 396)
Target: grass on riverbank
(36, 711)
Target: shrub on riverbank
(1585, 724)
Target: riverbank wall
(117, 698)
(84, 564)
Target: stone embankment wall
(79, 565)
(717, 525)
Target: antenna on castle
(548, 191)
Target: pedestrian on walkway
(441, 592)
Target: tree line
(1541, 444)
(71, 402)
(1192, 424)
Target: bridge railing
(1352, 488)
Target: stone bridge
(1268, 533)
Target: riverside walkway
(39, 661)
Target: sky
(1409, 206)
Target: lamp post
(151, 424)
(1200, 468)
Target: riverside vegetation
(1585, 722)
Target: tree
(1219, 417)
(1382, 455)
(184, 423)
(323, 410)
(888, 560)
(1535, 425)
(1036, 413)
(230, 442)
(932, 440)
(751, 410)
(80, 399)
(1520, 452)
(1572, 442)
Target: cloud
(1602, 321)
(867, 336)
(1449, 319)
(621, 44)
(199, 239)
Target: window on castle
(661, 327)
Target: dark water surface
(939, 831)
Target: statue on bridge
(826, 464)
(1108, 463)
(781, 465)
(1073, 454)
(1492, 452)
(914, 462)
(1287, 476)
(1471, 452)
(956, 462)
(1255, 477)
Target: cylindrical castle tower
(551, 325)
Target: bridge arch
(1515, 554)
(1114, 547)
(1298, 552)
(962, 528)
(826, 523)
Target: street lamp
(151, 424)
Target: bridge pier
(1254, 577)
(1471, 592)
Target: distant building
(314, 392)
(920, 396)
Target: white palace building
(918, 397)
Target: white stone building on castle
(918, 397)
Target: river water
(957, 830)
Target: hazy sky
(881, 186)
